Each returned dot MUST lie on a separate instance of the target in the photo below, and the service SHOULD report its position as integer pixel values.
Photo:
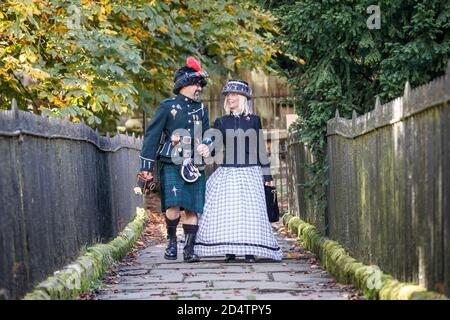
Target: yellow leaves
(136, 33)
(73, 46)
(153, 71)
(57, 101)
(141, 33)
(109, 32)
(106, 7)
(60, 11)
(93, 105)
(292, 57)
(61, 28)
(230, 9)
(75, 119)
(135, 40)
(102, 17)
(163, 29)
(22, 66)
(4, 74)
(44, 19)
(8, 62)
(129, 31)
(24, 8)
(88, 88)
(28, 56)
(105, 10)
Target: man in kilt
(173, 134)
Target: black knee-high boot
(171, 250)
(190, 233)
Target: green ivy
(346, 64)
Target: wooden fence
(62, 187)
(300, 202)
(388, 198)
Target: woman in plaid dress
(235, 221)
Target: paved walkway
(145, 274)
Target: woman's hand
(270, 183)
(203, 150)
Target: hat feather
(193, 63)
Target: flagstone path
(145, 274)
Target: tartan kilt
(175, 192)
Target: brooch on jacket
(174, 113)
(247, 118)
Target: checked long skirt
(234, 219)
(175, 192)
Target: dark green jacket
(175, 113)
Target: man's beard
(197, 94)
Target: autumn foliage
(97, 59)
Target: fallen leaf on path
(188, 274)
(295, 255)
(140, 244)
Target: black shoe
(250, 258)
(230, 257)
(188, 252)
(171, 250)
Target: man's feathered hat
(191, 73)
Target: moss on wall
(77, 277)
(368, 279)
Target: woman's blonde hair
(243, 106)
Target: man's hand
(147, 175)
(175, 139)
(203, 150)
